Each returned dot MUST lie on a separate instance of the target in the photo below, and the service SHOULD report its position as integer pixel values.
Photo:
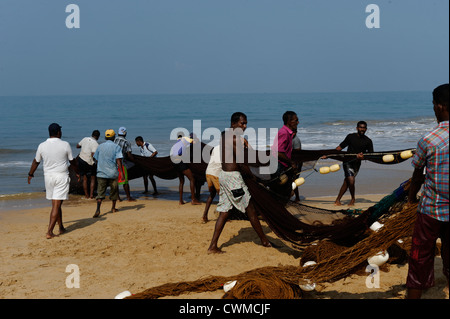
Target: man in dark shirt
(357, 143)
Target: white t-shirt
(215, 164)
(55, 155)
(296, 143)
(147, 150)
(88, 147)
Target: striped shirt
(124, 144)
(432, 153)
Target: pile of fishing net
(334, 256)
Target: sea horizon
(208, 93)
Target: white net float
(298, 182)
(388, 158)
(335, 168)
(123, 295)
(376, 226)
(406, 154)
(379, 259)
(324, 170)
(229, 285)
(309, 263)
(307, 285)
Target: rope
(373, 153)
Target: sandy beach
(154, 241)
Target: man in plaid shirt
(432, 219)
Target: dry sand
(151, 242)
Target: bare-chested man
(233, 190)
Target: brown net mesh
(333, 261)
(338, 248)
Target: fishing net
(333, 259)
(297, 234)
(197, 159)
(340, 246)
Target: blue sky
(216, 46)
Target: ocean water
(396, 120)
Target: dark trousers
(421, 260)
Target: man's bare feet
(352, 203)
(337, 203)
(97, 213)
(215, 251)
(131, 199)
(114, 210)
(62, 230)
(195, 202)
(181, 203)
(50, 235)
(269, 244)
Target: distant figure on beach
(56, 155)
(125, 145)
(212, 179)
(147, 150)
(86, 165)
(357, 143)
(234, 193)
(176, 153)
(432, 154)
(282, 145)
(109, 167)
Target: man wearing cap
(56, 155)
(125, 145)
(109, 166)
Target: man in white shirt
(179, 151)
(147, 150)
(56, 156)
(212, 178)
(86, 164)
